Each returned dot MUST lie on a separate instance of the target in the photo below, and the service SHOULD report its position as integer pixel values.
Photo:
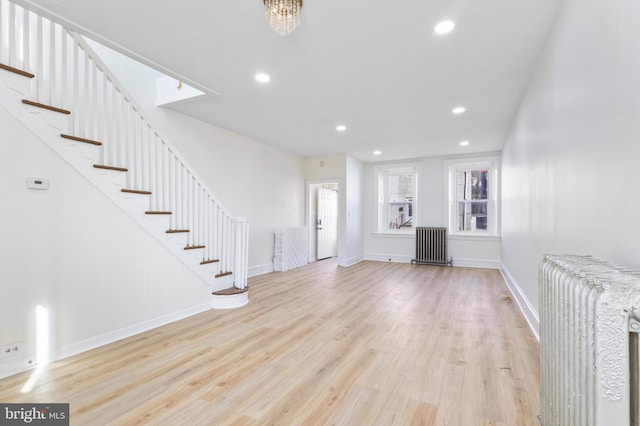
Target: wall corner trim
(526, 308)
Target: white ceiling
(375, 66)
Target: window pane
(472, 216)
(472, 185)
(400, 200)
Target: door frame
(310, 222)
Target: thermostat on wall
(37, 183)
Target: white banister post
(241, 250)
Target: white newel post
(241, 250)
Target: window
(471, 200)
(397, 198)
(473, 195)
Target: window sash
(473, 210)
(468, 220)
(396, 214)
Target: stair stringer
(48, 125)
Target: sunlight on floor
(42, 347)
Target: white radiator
(291, 248)
(589, 324)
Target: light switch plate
(37, 183)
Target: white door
(327, 223)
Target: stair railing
(70, 75)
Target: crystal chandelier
(283, 15)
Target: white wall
(465, 251)
(354, 244)
(74, 252)
(570, 164)
(250, 178)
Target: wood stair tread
(79, 139)
(223, 274)
(208, 261)
(135, 191)
(193, 247)
(16, 71)
(44, 106)
(176, 231)
(230, 291)
(114, 168)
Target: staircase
(54, 83)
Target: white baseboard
(10, 368)
(123, 333)
(476, 263)
(351, 261)
(260, 269)
(20, 365)
(457, 261)
(526, 308)
(377, 257)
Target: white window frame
(452, 167)
(381, 208)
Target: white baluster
(134, 140)
(165, 173)
(75, 79)
(146, 131)
(172, 190)
(3, 47)
(227, 244)
(200, 212)
(26, 50)
(39, 60)
(207, 226)
(85, 116)
(12, 35)
(51, 63)
(189, 205)
(95, 102)
(102, 105)
(156, 160)
(153, 174)
(64, 96)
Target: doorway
(323, 220)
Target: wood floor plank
(374, 344)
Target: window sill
(403, 235)
(475, 237)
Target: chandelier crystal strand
(283, 15)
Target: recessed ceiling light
(464, 143)
(377, 152)
(263, 78)
(341, 128)
(444, 27)
(458, 110)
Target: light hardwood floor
(373, 344)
